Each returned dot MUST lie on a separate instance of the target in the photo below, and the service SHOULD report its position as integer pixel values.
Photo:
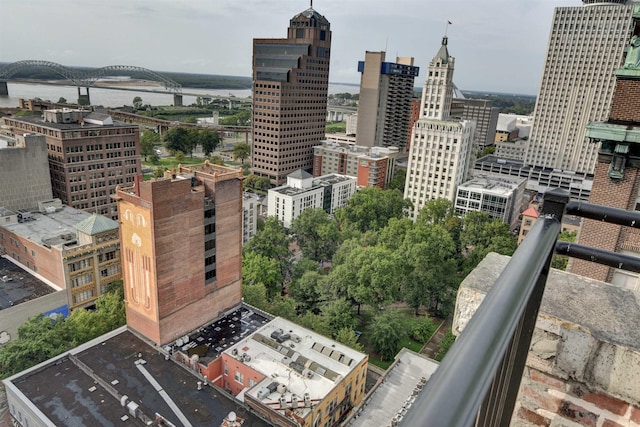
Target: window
(239, 377)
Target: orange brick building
(181, 249)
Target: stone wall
(584, 362)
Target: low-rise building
(303, 191)
(75, 250)
(373, 166)
(500, 197)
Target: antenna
(447, 27)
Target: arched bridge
(86, 78)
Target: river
(118, 98)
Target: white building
(585, 48)
(512, 136)
(441, 147)
(352, 123)
(501, 197)
(250, 205)
(303, 191)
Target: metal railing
(478, 380)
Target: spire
(443, 53)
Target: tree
(338, 314)
(241, 151)
(137, 102)
(397, 182)
(315, 322)
(317, 234)
(273, 242)
(158, 172)
(309, 291)
(480, 235)
(348, 337)
(208, 140)
(148, 139)
(255, 295)
(386, 332)
(62, 100)
(259, 269)
(371, 208)
(436, 211)
(179, 156)
(177, 139)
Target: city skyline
(485, 35)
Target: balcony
(478, 382)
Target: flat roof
(298, 358)
(18, 285)
(319, 182)
(501, 185)
(85, 387)
(395, 395)
(209, 341)
(39, 120)
(56, 229)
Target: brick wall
(617, 194)
(626, 101)
(547, 400)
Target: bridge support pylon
(177, 99)
(83, 99)
(4, 90)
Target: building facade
(24, 175)
(290, 82)
(441, 146)
(372, 166)
(384, 107)
(586, 45)
(500, 197)
(485, 115)
(74, 250)
(89, 155)
(617, 174)
(181, 248)
(303, 192)
(250, 205)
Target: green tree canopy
(338, 314)
(148, 139)
(259, 269)
(208, 140)
(371, 208)
(309, 291)
(436, 211)
(397, 182)
(137, 102)
(272, 242)
(241, 151)
(317, 234)
(386, 332)
(177, 139)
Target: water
(118, 98)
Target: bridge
(86, 79)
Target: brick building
(617, 173)
(290, 83)
(89, 155)
(181, 248)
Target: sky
(499, 45)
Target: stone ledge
(587, 331)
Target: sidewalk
(431, 348)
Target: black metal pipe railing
(604, 213)
(478, 380)
(599, 256)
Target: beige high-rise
(586, 45)
(290, 82)
(384, 108)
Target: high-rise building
(290, 83)
(89, 155)
(485, 116)
(441, 146)
(586, 45)
(384, 106)
(617, 174)
(181, 249)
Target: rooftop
(18, 285)
(501, 185)
(397, 391)
(93, 124)
(301, 360)
(211, 340)
(118, 379)
(319, 182)
(57, 229)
